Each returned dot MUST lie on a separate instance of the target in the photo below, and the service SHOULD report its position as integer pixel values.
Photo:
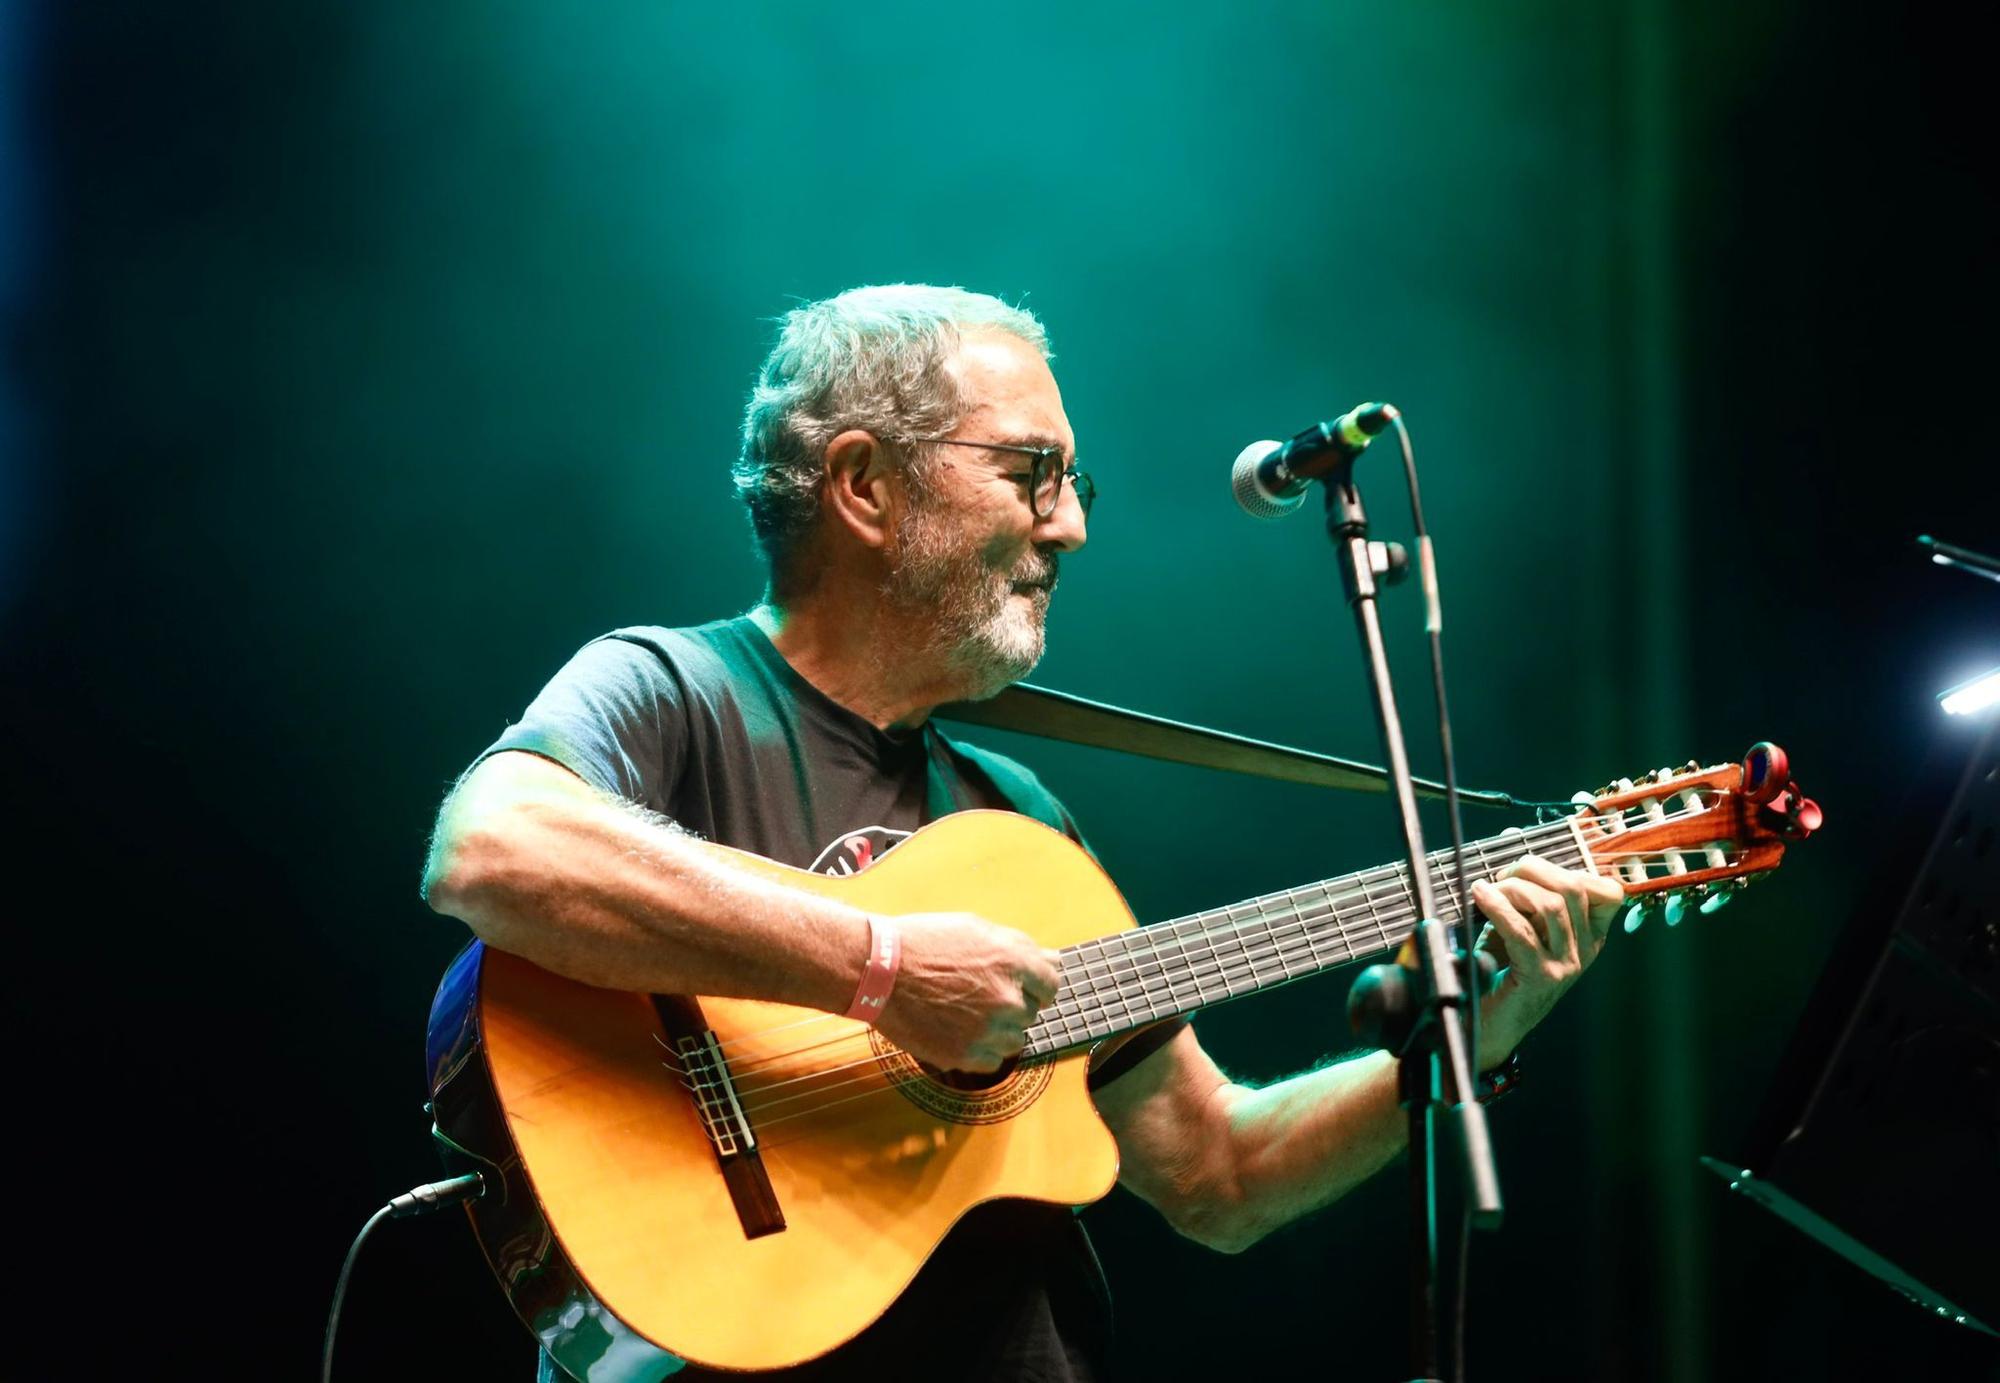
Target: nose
(1065, 528)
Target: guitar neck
(1117, 983)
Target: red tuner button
(1766, 770)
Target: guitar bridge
(708, 1080)
(713, 1090)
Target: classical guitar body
(746, 1185)
(628, 1235)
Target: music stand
(1880, 1136)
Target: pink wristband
(885, 953)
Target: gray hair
(872, 358)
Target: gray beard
(975, 628)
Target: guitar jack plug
(418, 1200)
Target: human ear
(857, 486)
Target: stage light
(1968, 698)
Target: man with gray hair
(910, 476)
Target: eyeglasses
(1045, 476)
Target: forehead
(1009, 389)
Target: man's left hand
(1546, 925)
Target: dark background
(366, 358)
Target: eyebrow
(1045, 439)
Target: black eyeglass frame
(1037, 472)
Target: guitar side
(614, 1234)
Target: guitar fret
(1308, 930)
(1248, 980)
(1240, 967)
(1178, 936)
(1117, 983)
(1101, 1020)
(1207, 934)
(1284, 961)
(1368, 897)
(1076, 1024)
(1336, 934)
(1124, 991)
(1150, 973)
(1194, 976)
(1129, 971)
(1486, 869)
(1163, 976)
(1215, 936)
(1219, 939)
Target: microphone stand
(1964, 558)
(1435, 1070)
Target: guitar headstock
(1695, 834)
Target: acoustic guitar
(747, 1185)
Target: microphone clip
(1389, 561)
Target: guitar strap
(1008, 778)
(1055, 715)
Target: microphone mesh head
(1251, 496)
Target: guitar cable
(418, 1200)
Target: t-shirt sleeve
(612, 716)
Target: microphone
(1270, 479)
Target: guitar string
(1553, 830)
(877, 1072)
(1282, 945)
(1367, 880)
(1238, 964)
(1144, 945)
(1150, 943)
(1130, 951)
(1300, 942)
(1294, 943)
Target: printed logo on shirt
(856, 850)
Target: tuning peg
(1691, 766)
(1635, 915)
(1796, 816)
(1676, 908)
(1766, 770)
(1717, 900)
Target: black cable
(1464, 1296)
(418, 1200)
(340, 1293)
(1434, 627)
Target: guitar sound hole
(970, 1080)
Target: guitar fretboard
(1117, 983)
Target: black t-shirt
(712, 728)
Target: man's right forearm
(538, 864)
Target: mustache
(1039, 569)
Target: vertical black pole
(1436, 1066)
